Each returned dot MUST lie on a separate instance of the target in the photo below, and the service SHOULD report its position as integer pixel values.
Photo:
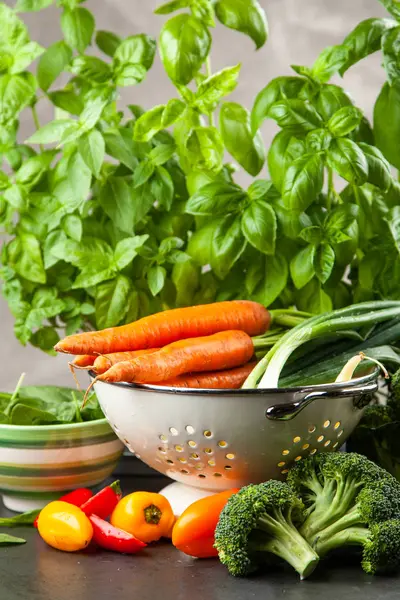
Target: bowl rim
(55, 426)
(147, 387)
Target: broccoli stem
(352, 536)
(287, 543)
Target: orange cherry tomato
(64, 526)
(145, 515)
(194, 531)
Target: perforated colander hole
(222, 444)
(202, 475)
(207, 433)
(340, 433)
(199, 466)
(230, 456)
(189, 429)
(305, 446)
(327, 423)
(194, 456)
(217, 474)
(311, 429)
(173, 431)
(178, 448)
(137, 455)
(285, 471)
(208, 450)
(298, 458)
(320, 438)
(327, 443)
(211, 463)
(281, 464)
(296, 439)
(314, 451)
(182, 460)
(163, 450)
(285, 452)
(192, 443)
(169, 461)
(337, 425)
(126, 442)
(184, 471)
(228, 468)
(335, 445)
(163, 438)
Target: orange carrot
(223, 350)
(106, 361)
(230, 379)
(170, 326)
(83, 361)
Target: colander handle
(285, 412)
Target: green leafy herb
(10, 540)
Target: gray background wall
(299, 30)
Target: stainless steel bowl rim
(357, 382)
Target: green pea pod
(249, 151)
(184, 45)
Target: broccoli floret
(376, 415)
(364, 438)
(260, 520)
(346, 496)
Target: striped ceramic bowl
(40, 463)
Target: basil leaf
(31, 5)
(249, 151)
(324, 262)
(295, 113)
(27, 518)
(311, 235)
(51, 132)
(162, 188)
(24, 56)
(13, 32)
(302, 266)
(133, 58)
(120, 145)
(161, 154)
(330, 99)
(348, 160)
(77, 25)
(169, 7)
(184, 45)
(199, 246)
(365, 39)
(45, 339)
(285, 148)
(379, 172)
(158, 118)
(91, 68)
(215, 87)
(186, 278)
(318, 140)
(274, 278)
(107, 42)
(72, 226)
(227, 245)
(156, 279)
(25, 257)
(142, 173)
(116, 201)
(245, 16)
(259, 226)
(387, 122)
(217, 198)
(126, 250)
(390, 50)
(392, 6)
(313, 298)
(278, 89)
(9, 540)
(262, 189)
(142, 201)
(205, 149)
(16, 91)
(52, 63)
(33, 169)
(303, 182)
(329, 62)
(91, 147)
(343, 121)
(340, 219)
(112, 302)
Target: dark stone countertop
(35, 571)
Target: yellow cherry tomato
(145, 515)
(64, 526)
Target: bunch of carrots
(209, 346)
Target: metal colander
(219, 439)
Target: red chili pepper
(76, 497)
(104, 502)
(111, 538)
